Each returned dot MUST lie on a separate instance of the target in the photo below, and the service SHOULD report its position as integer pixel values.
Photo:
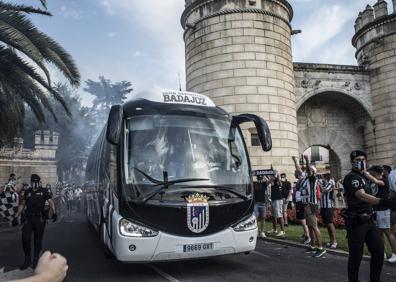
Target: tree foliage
(106, 94)
(25, 53)
(75, 133)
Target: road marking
(163, 274)
(260, 254)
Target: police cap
(34, 178)
(357, 153)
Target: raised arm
(297, 165)
(308, 168)
(373, 179)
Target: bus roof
(175, 97)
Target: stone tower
(375, 43)
(238, 52)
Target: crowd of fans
(315, 196)
(69, 198)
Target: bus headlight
(247, 224)
(131, 229)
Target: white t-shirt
(77, 193)
(392, 180)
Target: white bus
(169, 178)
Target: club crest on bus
(197, 212)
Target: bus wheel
(107, 253)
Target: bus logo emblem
(197, 212)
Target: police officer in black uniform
(33, 206)
(359, 221)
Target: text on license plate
(188, 248)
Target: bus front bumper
(164, 247)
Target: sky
(141, 41)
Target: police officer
(33, 206)
(359, 221)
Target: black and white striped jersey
(308, 190)
(327, 196)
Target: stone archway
(333, 141)
(335, 121)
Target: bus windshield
(184, 147)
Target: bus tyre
(107, 253)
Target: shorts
(393, 218)
(300, 215)
(310, 215)
(277, 211)
(327, 215)
(260, 210)
(383, 219)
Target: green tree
(106, 94)
(25, 53)
(75, 133)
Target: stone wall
(239, 54)
(24, 162)
(375, 41)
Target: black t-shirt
(353, 182)
(276, 193)
(35, 201)
(383, 193)
(260, 190)
(286, 187)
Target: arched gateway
(333, 110)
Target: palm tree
(25, 53)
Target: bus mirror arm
(263, 131)
(114, 124)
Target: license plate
(201, 247)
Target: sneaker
(272, 231)
(281, 234)
(319, 252)
(392, 259)
(262, 235)
(307, 240)
(333, 246)
(310, 250)
(26, 264)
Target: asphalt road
(270, 262)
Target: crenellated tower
(238, 52)
(375, 43)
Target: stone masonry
(375, 42)
(23, 162)
(238, 53)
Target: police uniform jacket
(35, 202)
(353, 182)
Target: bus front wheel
(106, 251)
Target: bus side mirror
(263, 131)
(114, 124)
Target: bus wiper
(223, 188)
(164, 184)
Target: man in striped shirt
(311, 201)
(327, 208)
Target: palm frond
(16, 31)
(44, 3)
(41, 44)
(23, 9)
(55, 54)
